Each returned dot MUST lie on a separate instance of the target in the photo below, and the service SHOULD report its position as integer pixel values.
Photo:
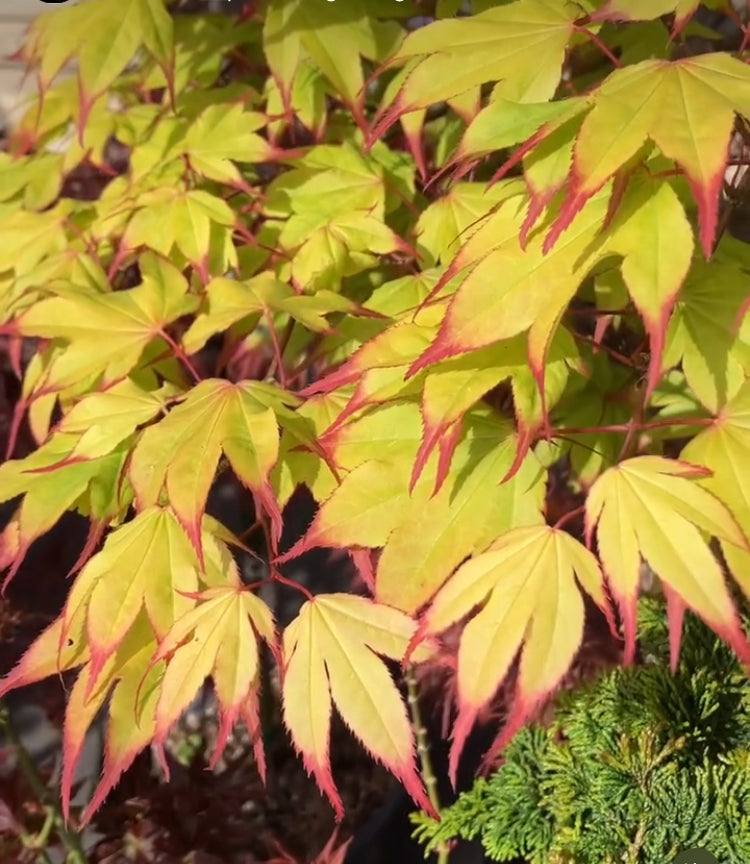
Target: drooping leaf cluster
(636, 767)
(469, 278)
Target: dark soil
(231, 815)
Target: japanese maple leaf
(107, 333)
(703, 336)
(189, 219)
(53, 480)
(452, 387)
(646, 10)
(181, 452)
(422, 532)
(147, 563)
(128, 678)
(652, 234)
(224, 134)
(330, 657)
(651, 508)
(521, 44)
(122, 27)
(379, 367)
(442, 224)
(101, 421)
(724, 448)
(535, 290)
(527, 584)
(686, 107)
(231, 301)
(334, 40)
(218, 637)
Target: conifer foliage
(466, 271)
(637, 767)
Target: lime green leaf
(469, 511)
(374, 505)
(370, 502)
(107, 334)
(334, 37)
(328, 181)
(103, 36)
(327, 250)
(231, 301)
(379, 366)
(146, 563)
(188, 220)
(103, 420)
(454, 386)
(133, 677)
(224, 626)
(441, 225)
(703, 336)
(28, 238)
(223, 133)
(651, 232)
(504, 123)
(400, 296)
(390, 433)
(534, 292)
(521, 44)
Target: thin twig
(423, 751)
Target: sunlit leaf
(331, 657)
(651, 508)
(527, 584)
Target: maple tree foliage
(459, 265)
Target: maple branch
(569, 516)
(278, 349)
(600, 45)
(637, 427)
(423, 751)
(179, 353)
(117, 260)
(276, 575)
(248, 531)
(615, 355)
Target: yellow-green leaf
(526, 585)
(179, 454)
(107, 333)
(650, 508)
(330, 656)
(686, 107)
(218, 637)
(724, 448)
